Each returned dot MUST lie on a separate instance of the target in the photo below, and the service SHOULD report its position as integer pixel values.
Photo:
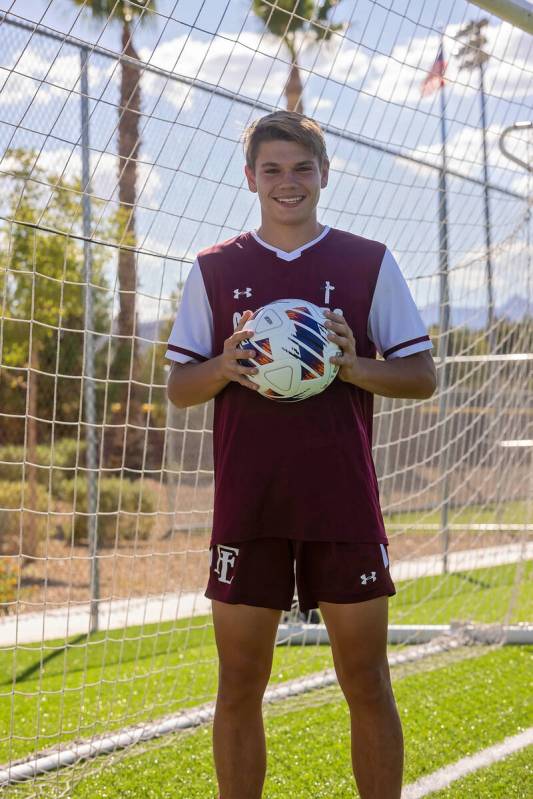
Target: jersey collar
(290, 256)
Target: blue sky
(192, 191)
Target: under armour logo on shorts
(366, 578)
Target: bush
(61, 460)
(8, 584)
(34, 525)
(121, 504)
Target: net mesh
(121, 158)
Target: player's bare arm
(411, 377)
(192, 384)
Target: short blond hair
(288, 126)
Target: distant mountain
(514, 310)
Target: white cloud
(398, 77)
(464, 154)
(256, 64)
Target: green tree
(43, 308)
(283, 19)
(125, 360)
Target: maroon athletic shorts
(262, 572)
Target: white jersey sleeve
(394, 323)
(191, 338)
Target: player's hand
(341, 334)
(230, 368)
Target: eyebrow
(300, 163)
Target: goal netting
(121, 158)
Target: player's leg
(245, 637)
(358, 636)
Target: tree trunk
(128, 151)
(30, 538)
(123, 442)
(293, 88)
(293, 91)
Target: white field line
(74, 619)
(444, 777)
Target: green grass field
(449, 709)
(123, 677)
(480, 595)
(504, 513)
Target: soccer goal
(121, 158)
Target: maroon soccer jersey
(299, 470)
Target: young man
(295, 488)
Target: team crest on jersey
(328, 288)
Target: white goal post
(516, 12)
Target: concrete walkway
(74, 619)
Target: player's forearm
(193, 384)
(408, 378)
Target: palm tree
(126, 356)
(283, 18)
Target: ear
(324, 174)
(250, 177)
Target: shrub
(34, 525)
(119, 503)
(61, 460)
(8, 584)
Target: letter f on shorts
(225, 562)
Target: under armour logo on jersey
(225, 561)
(245, 293)
(327, 288)
(366, 578)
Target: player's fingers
(243, 381)
(244, 318)
(248, 370)
(339, 359)
(243, 353)
(334, 324)
(341, 328)
(232, 346)
(346, 356)
(241, 335)
(346, 343)
(238, 337)
(333, 315)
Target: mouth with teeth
(289, 202)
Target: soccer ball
(293, 350)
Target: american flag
(435, 78)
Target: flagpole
(444, 320)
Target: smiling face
(287, 177)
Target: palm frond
(122, 11)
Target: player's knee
(366, 684)
(242, 680)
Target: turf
(447, 713)
(480, 595)
(503, 513)
(511, 778)
(117, 678)
(125, 676)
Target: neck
(289, 237)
